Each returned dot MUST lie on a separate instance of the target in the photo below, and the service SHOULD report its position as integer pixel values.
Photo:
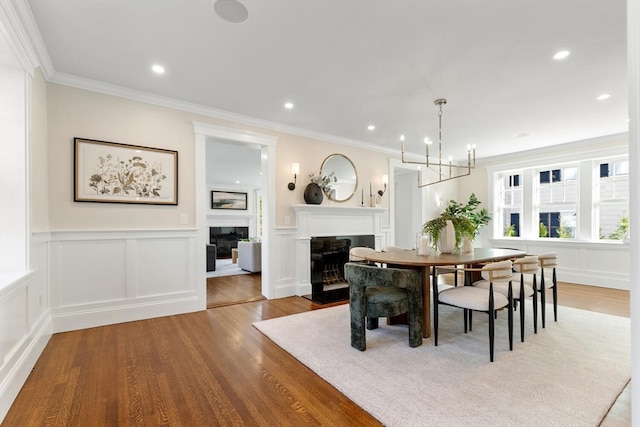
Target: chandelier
(444, 171)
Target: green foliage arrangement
(322, 181)
(622, 231)
(543, 231)
(467, 219)
(510, 231)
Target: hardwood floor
(209, 368)
(228, 290)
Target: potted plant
(466, 219)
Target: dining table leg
(426, 302)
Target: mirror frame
(355, 172)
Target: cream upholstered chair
(392, 249)
(524, 266)
(383, 292)
(358, 253)
(548, 280)
(472, 298)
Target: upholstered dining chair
(548, 280)
(527, 265)
(472, 298)
(358, 253)
(383, 292)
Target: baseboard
(19, 365)
(93, 315)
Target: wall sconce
(385, 181)
(295, 170)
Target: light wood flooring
(227, 290)
(210, 368)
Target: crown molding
(149, 98)
(28, 35)
(13, 31)
(605, 146)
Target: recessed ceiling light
(603, 97)
(231, 11)
(561, 55)
(371, 127)
(237, 182)
(288, 105)
(158, 69)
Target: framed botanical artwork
(228, 200)
(109, 172)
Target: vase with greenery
(318, 184)
(467, 219)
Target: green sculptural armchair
(383, 292)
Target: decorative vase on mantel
(313, 194)
(447, 240)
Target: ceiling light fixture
(288, 105)
(231, 11)
(603, 97)
(158, 69)
(561, 55)
(371, 127)
(444, 170)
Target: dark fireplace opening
(329, 254)
(227, 238)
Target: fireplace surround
(328, 256)
(322, 221)
(227, 238)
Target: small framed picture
(110, 172)
(228, 200)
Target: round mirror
(346, 177)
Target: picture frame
(110, 172)
(228, 200)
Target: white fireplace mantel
(319, 220)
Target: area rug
(569, 374)
(226, 268)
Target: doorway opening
(229, 151)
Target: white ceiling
(347, 64)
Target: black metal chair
(471, 298)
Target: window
(13, 167)
(557, 202)
(613, 199)
(549, 201)
(510, 196)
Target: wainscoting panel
(92, 271)
(25, 324)
(105, 277)
(285, 274)
(586, 263)
(163, 266)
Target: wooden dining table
(424, 263)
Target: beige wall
(76, 112)
(370, 166)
